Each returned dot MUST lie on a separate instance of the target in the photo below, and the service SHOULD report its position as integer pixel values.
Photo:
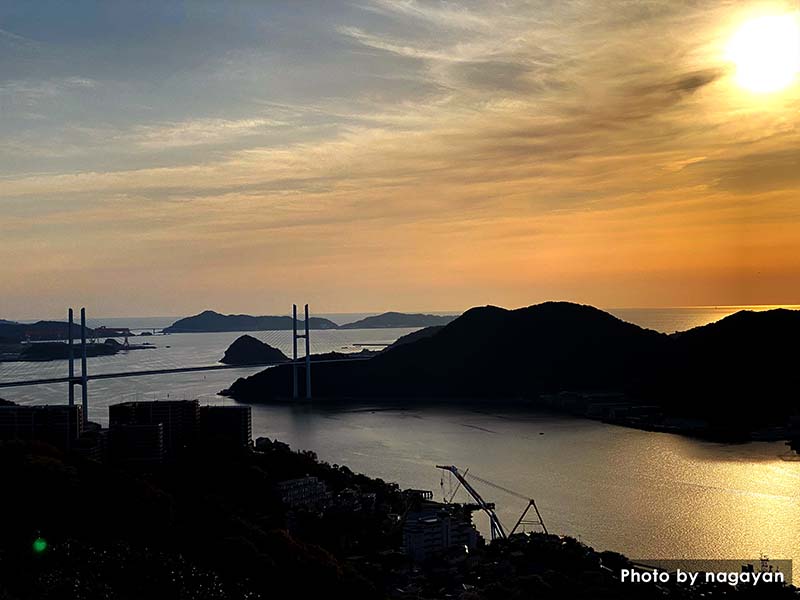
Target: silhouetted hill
(325, 356)
(490, 352)
(415, 335)
(397, 320)
(210, 321)
(735, 372)
(247, 350)
(742, 367)
(41, 330)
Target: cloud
(30, 92)
(394, 47)
(680, 84)
(445, 15)
(756, 172)
(495, 75)
(196, 132)
(579, 143)
(13, 40)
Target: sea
(647, 495)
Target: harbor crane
(496, 527)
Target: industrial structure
(496, 527)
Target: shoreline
(683, 426)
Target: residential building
(230, 426)
(180, 420)
(137, 445)
(431, 528)
(307, 492)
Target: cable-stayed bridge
(285, 340)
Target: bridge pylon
(83, 380)
(296, 336)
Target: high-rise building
(229, 426)
(179, 419)
(137, 445)
(59, 425)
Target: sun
(766, 53)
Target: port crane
(496, 527)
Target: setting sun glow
(766, 52)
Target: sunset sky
(160, 158)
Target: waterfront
(647, 495)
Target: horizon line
(443, 312)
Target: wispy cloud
(198, 132)
(24, 91)
(9, 38)
(448, 15)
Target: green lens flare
(39, 545)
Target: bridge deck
(90, 377)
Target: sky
(161, 158)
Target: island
(733, 379)
(209, 321)
(45, 351)
(247, 350)
(11, 332)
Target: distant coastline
(667, 319)
(210, 321)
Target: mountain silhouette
(737, 370)
(11, 331)
(398, 320)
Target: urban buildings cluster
(146, 434)
(138, 433)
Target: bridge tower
(296, 336)
(83, 380)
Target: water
(172, 351)
(648, 495)
(670, 320)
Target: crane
(496, 526)
(531, 504)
